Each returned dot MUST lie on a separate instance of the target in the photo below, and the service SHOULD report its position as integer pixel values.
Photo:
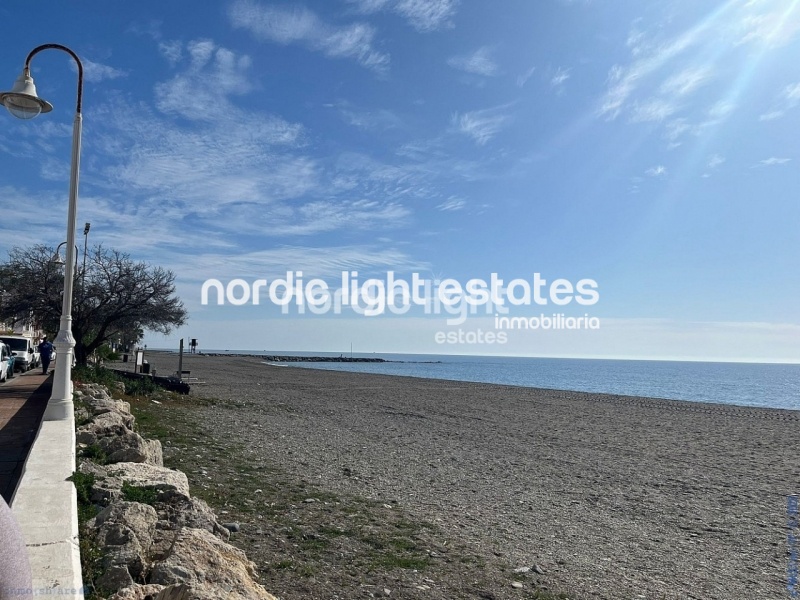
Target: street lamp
(57, 256)
(23, 102)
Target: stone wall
(169, 546)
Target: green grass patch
(83, 485)
(151, 424)
(314, 543)
(95, 453)
(334, 532)
(403, 544)
(140, 387)
(389, 560)
(94, 374)
(142, 494)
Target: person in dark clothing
(46, 353)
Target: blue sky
(648, 146)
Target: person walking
(46, 353)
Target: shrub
(144, 494)
(94, 374)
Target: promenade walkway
(22, 403)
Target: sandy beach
(613, 497)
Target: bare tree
(114, 297)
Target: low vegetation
(305, 540)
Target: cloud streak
(301, 26)
(772, 161)
(479, 62)
(481, 125)
(95, 72)
(788, 99)
(423, 15)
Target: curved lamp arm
(35, 51)
(23, 102)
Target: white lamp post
(22, 102)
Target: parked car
(25, 355)
(6, 362)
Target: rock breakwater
(153, 540)
(281, 358)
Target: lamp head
(22, 101)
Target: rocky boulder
(109, 481)
(131, 447)
(125, 532)
(212, 568)
(108, 424)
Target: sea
(742, 384)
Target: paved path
(22, 403)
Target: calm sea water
(744, 384)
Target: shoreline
(599, 396)
(612, 496)
(287, 358)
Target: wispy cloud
(770, 24)
(721, 110)
(660, 74)
(300, 25)
(212, 166)
(559, 77)
(202, 90)
(369, 6)
(675, 128)
(714, 161)
(293, 219)
(636, 40)
(327, 262)
(522, 79)
(172, 50)
(452, 204)
(94, 72)
(653, 110)
(216, 185)
(657, 171)
(481, 125)
(772, 161)
(423, 15)
(45, 222)
(367, 119)
(428, 15)
(479, 62)
(217, 153)
(662, 80)
(792, 93)
(624, 81)
(788, 99)
(687, 81)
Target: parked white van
(25, 355)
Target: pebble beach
(610, 497)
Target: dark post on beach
(793, 525)
(180, 359)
